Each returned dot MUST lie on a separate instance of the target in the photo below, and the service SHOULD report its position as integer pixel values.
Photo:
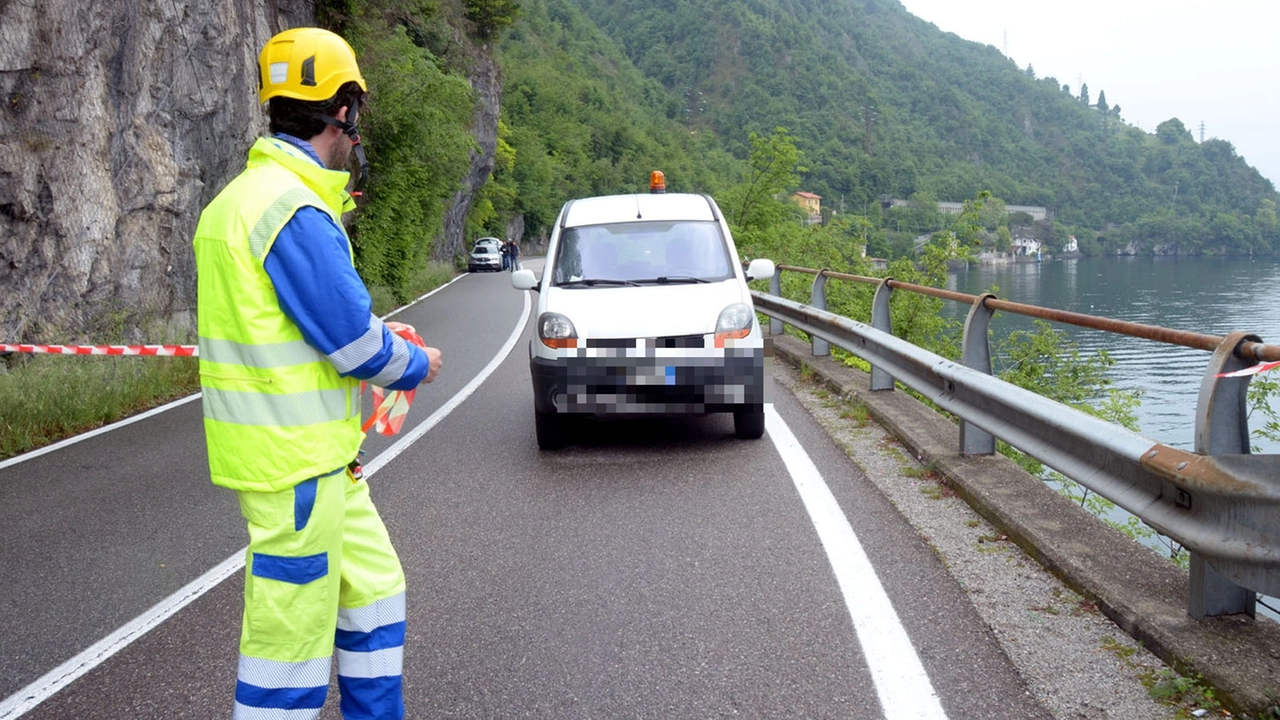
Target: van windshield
(642, 252)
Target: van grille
(670, 342)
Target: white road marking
(420, 429)
(51, 682)
(66, 673)
(93, 433)
(901, 681)
(401, 309)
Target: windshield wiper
(675, 279)
(591, 282)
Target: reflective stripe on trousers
(321, 573)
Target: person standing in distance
(287, 333)
(515, 254)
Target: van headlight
(556, 331)
(734, 323)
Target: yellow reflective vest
(276, 412)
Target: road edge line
(63, 675)
(901, 682)
(56, 679)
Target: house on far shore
(1025, 246)
(810, 203)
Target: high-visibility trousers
(320, 572)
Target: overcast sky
(1210, 61)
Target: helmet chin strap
(349, 129)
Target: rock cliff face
(118, 122)
(485, 78)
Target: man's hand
(434, 363)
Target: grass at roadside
(424, 280)
(46, 398)
(50, 397)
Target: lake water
(1206, 295)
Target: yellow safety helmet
(306, 63)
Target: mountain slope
(883, 103)
(581, 120)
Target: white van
(643, 308)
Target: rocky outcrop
(118, 122)
(486, 81)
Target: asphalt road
(653, 569)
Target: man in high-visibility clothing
(286, 336)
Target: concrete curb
(1142, 593)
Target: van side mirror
(524, 280)
(760, 269)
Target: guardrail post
(818, 299)
(775, 289)
(881, 320)
(976, 355)
(1222, 428)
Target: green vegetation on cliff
(581, 120)
(416, 130)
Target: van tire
(550, 429)
(748, 423)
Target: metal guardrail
(1220, 502)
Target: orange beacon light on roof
(657, 182)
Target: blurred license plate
(657, 375)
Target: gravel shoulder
(1076, 661)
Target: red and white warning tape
(145, 350)
(1251, 370)
(390, 407)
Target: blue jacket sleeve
(319, 290)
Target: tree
(1084, 93)
(491, 16)
(967, 228)
(992, 213)
(418, 143)
(920, 215)
(774, 168)
(1004, 239)
(1173, 132)
(1021, 219)
(1102, 100)
(1266, 221)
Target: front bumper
(693, 384)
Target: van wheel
(748, 423)
(550, 429)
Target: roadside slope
(1142, 594)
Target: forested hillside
(579, 119)
(879, 103)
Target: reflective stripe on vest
(272, 355)
(278, 213)
(249, 408)
(276, 411)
